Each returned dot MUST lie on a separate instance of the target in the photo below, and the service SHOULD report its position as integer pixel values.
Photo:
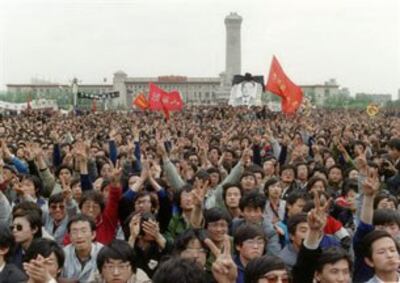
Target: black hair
(372, 237)
(118, 250)
(61, 167)
(247, 231)
(296, 195)
(94, 196)
(227, 186)
(45, 247)
(257, 267)
(153, 199)
(180, 270)
(202, 174)
(27, 207)
(34, 219)
(56, 198)
(186, 237)
(6, 240)
(248, 174)
(81, 218)
(313, 180)
(335, 167)
(386, 217)
(187, 188)
(295, 220)
(253, 199)
(37, 183)
(331, 256)
(349, 185)
(269, 183)
(321, 170)
(215, 214)
(288, 167)
(394, 144)
(381, 196)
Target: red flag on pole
(141, 102)
(279, 84)
(155, 96)
(160, 99)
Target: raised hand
(199, 191)
(134, 226)
(317, 217)
(224, 268)
(37, 271)
(371, 185)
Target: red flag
(155, 96)
(141, 102)
(172, 101)
(279, 84)
(160, 99)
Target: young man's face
(253, 215)
(91, 208)
(81, 235)
(248, 183)
(186, 201)
(338, 272)
(385, 257)
(275, 191)
(232, 197)
(195, 251)
(335, 175)
(287, 176)
(302, 172)
(143, 204)
(393, 229)
(296, 207)
(22, 231)
(299, 234)
(269, 167)
(251, 248)
(217, 230)
(394, 154)
(57, 211)
(116, 271)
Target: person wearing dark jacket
(317, 265)
(8, 272)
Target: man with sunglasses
(61, 208)
(8, 272)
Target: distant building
(194, 90)
(373, 97)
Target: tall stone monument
(233, 64)
(119, 85)
(233, 46)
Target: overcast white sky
(355, 41)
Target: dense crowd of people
(213, 194)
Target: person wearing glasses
(249, 241)
(8, 271)
(61, 208)
(116, 263)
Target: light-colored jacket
(73, 268)
(61, 230)
(139, 277)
